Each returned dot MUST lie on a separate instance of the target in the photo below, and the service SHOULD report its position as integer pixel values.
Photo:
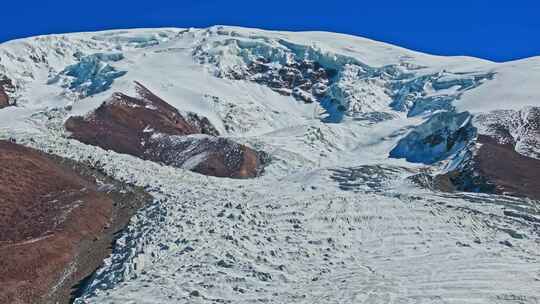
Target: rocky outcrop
(5, 86)
(53, 210)
(520, 129)
(4, 98)
(148, 127)
(494, 152)
(123, 123)
(305, 80)
(503, 158)
(496, 168)
(208, 155)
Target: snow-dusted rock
(520, 129)
(5, 87)
(148, 127)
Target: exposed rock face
(124, 123)
(4, 98)
(51, 211)
(496, 152)
(520, 129)
(5, 85)
(148, 127)
(504, 158)
(497, 168)
(208, 155)
(305, 80)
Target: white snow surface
(332, 220)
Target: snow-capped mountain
(290, 167)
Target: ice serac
(343, 85)
(441, 136)
(92, 74)
(148, 127)
(427, 94)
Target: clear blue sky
(495, 30)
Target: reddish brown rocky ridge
(56, 224)
(495, 168)
(520, 129)
(505, 158)
(510, 172)
(148, 127)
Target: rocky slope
(517, 175)
(4, 99)
(150, 128)
(5, 86)
(503, 157)
(56, 225)
(517, 128)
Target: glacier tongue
(207, 241)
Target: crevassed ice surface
(333, 219)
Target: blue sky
(495, 30)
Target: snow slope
(334, 219)
(513, 88)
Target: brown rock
(56, 227)
(495, 168)
(47, 212)
(5, 85)
(520, 129)
(511, 172)
(148, 127)
(208, 155)
(122, 122)
(4, 98)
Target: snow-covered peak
(253, 82)
(45, 58)
(366, 50)
(515, 85)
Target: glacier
(346, 86)
(348, 124)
